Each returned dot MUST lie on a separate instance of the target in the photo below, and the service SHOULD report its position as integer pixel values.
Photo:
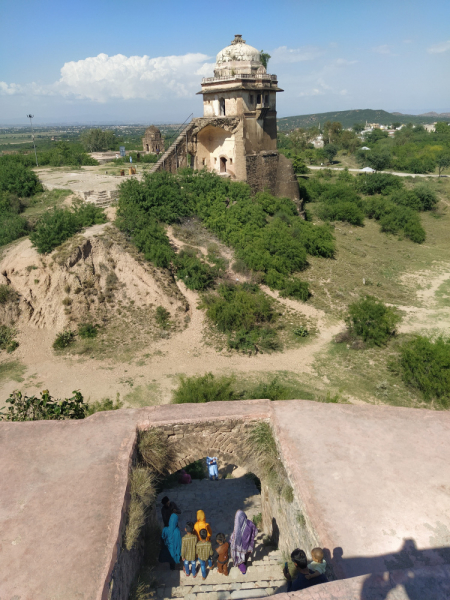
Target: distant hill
(349, 117)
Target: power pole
(32, 135)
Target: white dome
(238, 50)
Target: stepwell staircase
(185, 129)
(264, 578)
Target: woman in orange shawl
(202, 524)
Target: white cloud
(283, 54)
(343, 62)
(101, 78)
(383, 49)
(439, 48)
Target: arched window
(222, 107)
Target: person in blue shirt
(211, 463)
(300, 561)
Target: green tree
(18, 179)
(442, 127)
(331, 132)
(265, 57)
(330, 151)
(358, 127)
(379, 160)
(97, 140)
(396, 125)
(443, 162)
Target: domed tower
(152, 142)
(241, 89)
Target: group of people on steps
(196, 544)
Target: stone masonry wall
(262, 171)
(225, 439)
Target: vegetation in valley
(372, 320)
(56, 226)
(424, 365)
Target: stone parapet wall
(423, 583)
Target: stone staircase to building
(264, 578)
(168, 161)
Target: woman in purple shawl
(242, 540)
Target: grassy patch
(42, 202)
(204, 388)
(104, 405)
(143, 395)
(12, 370)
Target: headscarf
(172, 538)
(202, 524)
(242, 539)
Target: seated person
(184, 477)
(168, 509)
(318, 563)
(300, 561)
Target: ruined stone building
(237, 135)
(152, 142)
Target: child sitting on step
(222, 554)
(318, 563)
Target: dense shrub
(7, 341)
(58, 225)
(372, 320)
(204, 388)
(377, 183)
(425, 366)
(266, 232)
(18, 179)
(394, 218)
(245, 313)
(341, 211)
(241, 306)
(196, 274)
(87, 330)
(32, 408)
(294, 288)
(64, 339)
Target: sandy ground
(83, 180)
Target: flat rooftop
(374, 481)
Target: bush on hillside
(341, 211)
(377, 183)
(241, 306)
(196, 274)
(394, 218)
(425, 366)
(245, 313)
(204, 388)
(15, 178)
(58, 225)
(372, 320)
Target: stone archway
(228, 440)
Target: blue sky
(109, 60)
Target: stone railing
(240, 76)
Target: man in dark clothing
(168, 508)
(301, 564)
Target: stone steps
(264, 578)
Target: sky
(110, 61)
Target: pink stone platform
(374, 481)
